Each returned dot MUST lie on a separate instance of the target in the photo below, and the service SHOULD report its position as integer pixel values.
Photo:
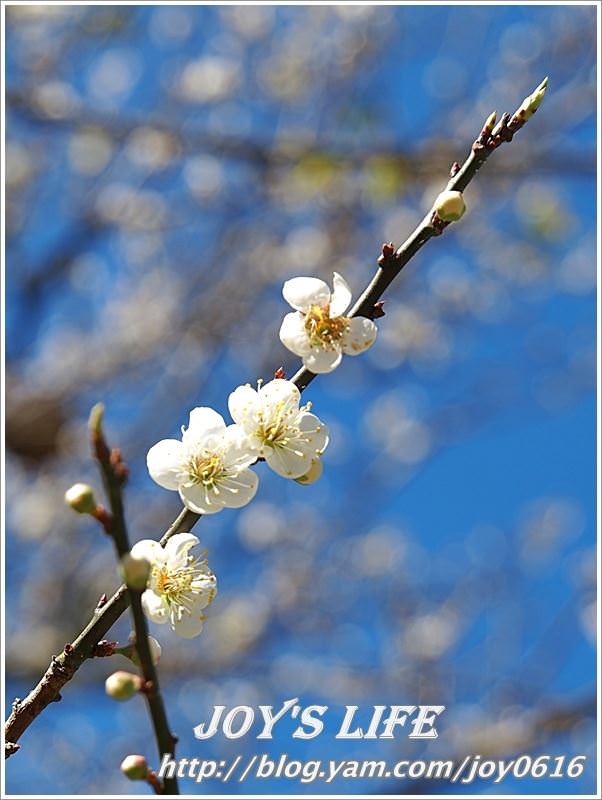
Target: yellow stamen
(206, 470)
(322, 329)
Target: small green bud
(134, 571)
(122, 685)
(450, 206)
(135, 768)
(312, 474)
(80, 498)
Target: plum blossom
(209, 467)
(317, 330)
(289, 437)
(179, 586)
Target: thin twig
(114, 475)
(391, 262)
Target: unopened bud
(312, 474)
(490, 122)
(135, 768)
(122, 685)
(129, 651)
(81, 498)
(450, 206)
(135, 571)
(531, 103)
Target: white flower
(179, 586)
(317, 330)
(288, 437)
(209, 467)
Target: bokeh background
(167, 168)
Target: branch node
(153, 780)
(105, 518)
(148, 688)
(387, 254)
(102, 601)
(378, 310)
(104, 649)
(437, 224)
(119, 467)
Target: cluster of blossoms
(210, 467)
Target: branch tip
(95, 419)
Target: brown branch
(114, 475)
(391, 262)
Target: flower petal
(204, 588)
(289, 463)
(320, 361)
(188, 624)
(154, 606)
(243, 404)
(280, 393)
(341, 296)
(200, 499)
(165, 461)
(239, 450)
(148, 549)
(293, 334)
(178, 546)
(315, 430)
(360, 336)
(204, 426)
(239, 488)
(302, 293)
(314, 473)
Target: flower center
(276, 428)
(176, 586)
(324, 330)
(206, 470)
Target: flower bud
(531, 103)
(155, 651)
(135, 571)
(129, 651)
(450, 206)
(81, 498)
(312, 474)
(135, 768)
(490, 122)
(122, 685)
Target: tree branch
(114, 475)
(391, 262)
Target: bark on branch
(114, 476)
